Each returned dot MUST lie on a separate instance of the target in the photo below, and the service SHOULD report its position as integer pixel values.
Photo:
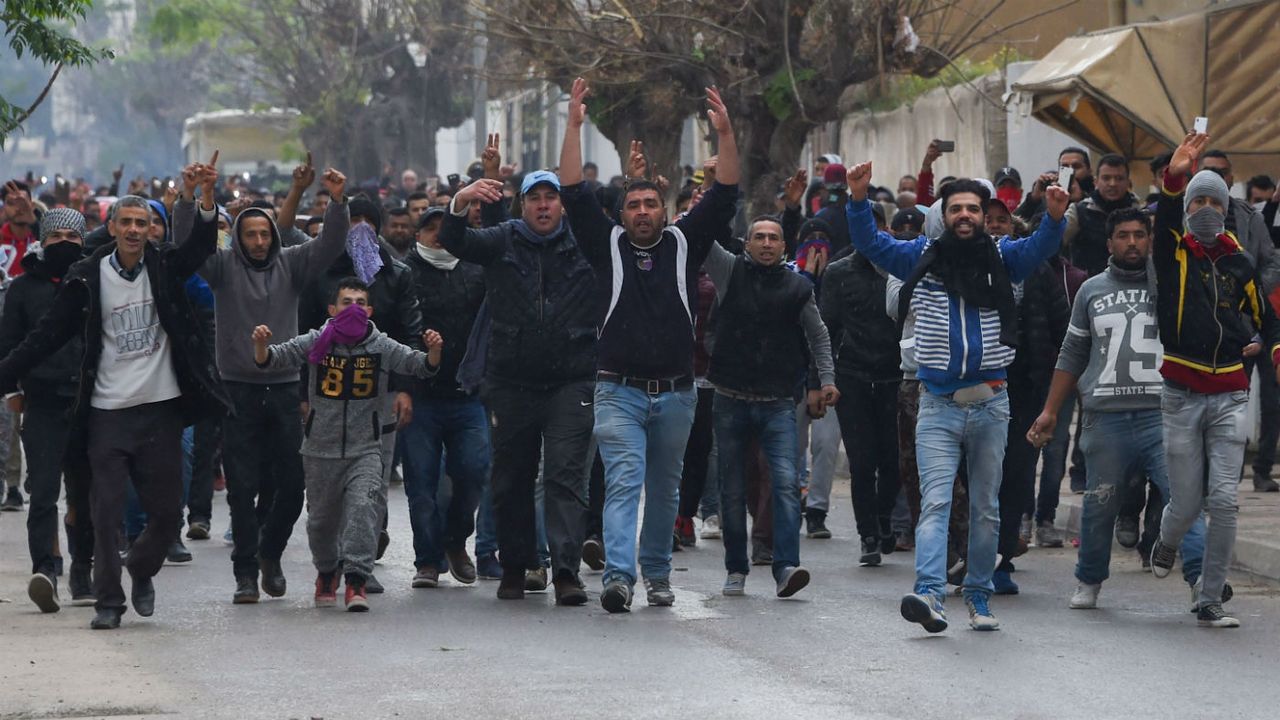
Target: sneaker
(735, 585)
(616, 597)
(1085, 596)
(356, 599)
(461, 567)
(273, 581)
(106, 619)
(926, 610)
(1212, 616)
(511, 585)
(711, 527)
(1002, 581)
(535, 580)
(326, 589)
(870, 552)
(12, 500)
(1127, 531)
(80, 582)
(227, 538)
(794, 579)
(761, 554)
(426, 577)
(384, 540)
(955, 573)
(488, 567)
(372, 586)
(1263, 483)
(570, 591)
(593, 553)
(1048, 536)
(1227, 594)
(659, 593)
(816, 525)
(980, 617)
(198, 530)
(43, 591)
(684, 528)
(676, 545)
(246, 591)
(1162, 557)
(1024, 534)
(888, 542)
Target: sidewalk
(1257, 536)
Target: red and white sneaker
(326, 590)
(357, 600)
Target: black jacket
(449, 301)
(1043, 316)
(76, 311)
(541, 298)
(27, 300)
(760, 347)
(863, 337)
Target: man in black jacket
(538, 383)
(47, 394)
(147, 372)
(1085, 238)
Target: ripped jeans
(1120, 448)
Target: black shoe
(384, 539)
(593, 553)
(461, 567)
(676, 545)
(570, 591)
(616, 597)
(1263, 483)
(12, 500)
(372, 586)
(43, 591)
(106, 619)
(816, 525)
(761, 554)
(1162, 559)
(511, 587)
(870, 551)
(273, 582)
(888, 543)
(1127, 531)
(246, 591)
(198, 530)
(80, 582)
(143, 597)
(178, 553)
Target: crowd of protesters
(531, 354)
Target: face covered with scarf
(348, 322)
(362, 248)
(1205, 206)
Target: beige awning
(1136, 89)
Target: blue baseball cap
(539, 177)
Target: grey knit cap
(1207, 182)
(61, 219)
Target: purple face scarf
(347, 327)
(362, 248)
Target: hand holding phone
(1201, 125)
(1064, 177)
(946, 146)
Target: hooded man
(258, 282)
(1211, 307)
(48, 391)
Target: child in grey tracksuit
(350, 410)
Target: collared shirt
(126, 273)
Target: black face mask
(60, 256)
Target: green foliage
(32, 26)
(779, 94)
(904, 90)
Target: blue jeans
(642, 438)
(945, 430)
(1119, 448)
(774, 424)
(457, 432)
(135, 518)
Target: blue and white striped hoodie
(957, 344)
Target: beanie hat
(361, 206)
(61, 219)
(1210, 183)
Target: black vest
(760, 347)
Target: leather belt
(650, 386)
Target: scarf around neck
(971, 269)
(438, 257)
(346, 328)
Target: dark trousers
(265, 485)
(207, 438)
(558, 421)
(142, 445)
(1269, 410)
(1018, 485)
(759, 493)
(697, 454)
(45, 425)
(908, 470)
(868, 415)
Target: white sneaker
(711, 528)
(1085, 597)
(735, 585)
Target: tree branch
(17, 122)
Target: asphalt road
(839, 649)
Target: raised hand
(484, 190)
(858, 178)
(491, 158)
(637, 166)
(208, 176)
(117, 173)
(930, 155)
(718, 114)
(190, 180)
(1184, 158)
(304, 175)
(796, 185)
(577, 102)
(1055, 201)
(336, 183)
(24, 212)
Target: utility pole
(480, 87)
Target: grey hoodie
(351, 405)
(246, 296)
